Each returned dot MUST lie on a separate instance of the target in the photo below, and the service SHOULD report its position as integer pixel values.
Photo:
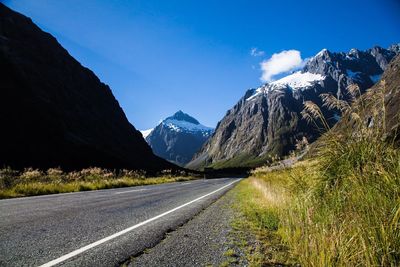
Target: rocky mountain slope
(55, 112)
(178, 138)
(266, 122)
(392, 99)
(385, 93)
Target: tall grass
(32, 182)
(343, 209)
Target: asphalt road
(99, 228)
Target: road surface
(99, 228)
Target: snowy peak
(146, 133)
(181, 116)
(267, 121)
(355, 66)
(184, 126)
(299, 80)
(178, 137)
(294, 81)
(323, 53)
(395, 48)
(182, 122)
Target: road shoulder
(205, 240)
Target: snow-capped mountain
(178, 138)
(267, 121)
(146, 133)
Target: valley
(302, 169)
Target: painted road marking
(138, 190)
(129, 191)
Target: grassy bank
(34, 182)
(299, 215)
(342, 208)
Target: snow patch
(257, 92)
(320, 53)
(299, 80)
(184, 126)
(146, 133)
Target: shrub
(31, 174)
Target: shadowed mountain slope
(55, 112)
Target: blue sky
(161, 56)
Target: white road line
(136, 190)
(108, 238)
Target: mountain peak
(178, 137)
(354, 51)
(324, 52)
(181, 116)
(257, 124)
(395, 48)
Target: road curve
(98, 228)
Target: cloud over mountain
(278, 63)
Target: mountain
(266, 122)
(385, 93)
(55, 112)
(146, 133)
(178, 138)
(392, 99)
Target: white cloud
(284, 61)
(256, 53)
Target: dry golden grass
(33, 182)
(343, 207)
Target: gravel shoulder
(205, 240)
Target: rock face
(55, 112)
(392, 98)
(386, 92)
(178, 138)
(267, 121)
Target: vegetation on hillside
(341, 208)
(32, 182)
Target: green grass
(243, 160)
(34, 182)
(259, 205)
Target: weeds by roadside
(343, 207)
(32, 182)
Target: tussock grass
(343, 207)
(32, 182)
